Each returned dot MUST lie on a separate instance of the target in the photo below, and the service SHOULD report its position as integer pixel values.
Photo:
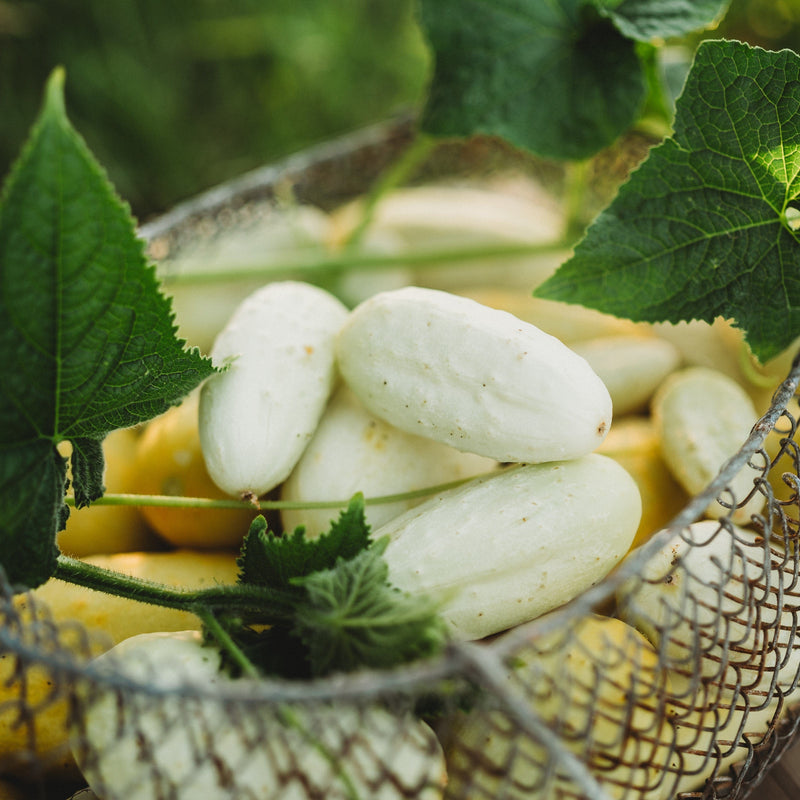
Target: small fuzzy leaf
(87, 470)
(275, 561)
(353, 617)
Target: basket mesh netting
(676, 676)
(576, 704)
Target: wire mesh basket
(676, 676)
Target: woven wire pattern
(576, 704)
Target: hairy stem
(174, 501)
(398, 174)
(321, 266)
(225, 641)
(271, 605)
(166, 501)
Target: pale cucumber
(479, 379)
(501, 550)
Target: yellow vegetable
(109, 529)
(631, 367)
(694, 598)
(633, 442)
(33, 723)
(784, 455)
(169, 461)
(118, 618)
(42, 735)
(566, 321)
(600, 691)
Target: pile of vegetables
(384, 470)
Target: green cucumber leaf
(705, 227)
(354, 618)
(87, 470)
(345, 613)
(554, 78)
(32, 510)
(276, 561)
(646, 20)
(88, 341)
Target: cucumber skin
(502, 550)
(257, 417)
(479, 379)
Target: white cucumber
(135, 746)
(501, 550)
(257, 417)
(695, 599)
(479, 379)
(702, 418)
(354, 451)
(632, 367)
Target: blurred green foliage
(773, 24)
(174, 96)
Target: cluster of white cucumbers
(464, 388)
(413, 387)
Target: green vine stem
(230, 597)
(174, 501)
(338, 262)
(575, 192)
(167, 501)
(396, 175)
(225, 641)
(271, 606)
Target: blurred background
(174, 97)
